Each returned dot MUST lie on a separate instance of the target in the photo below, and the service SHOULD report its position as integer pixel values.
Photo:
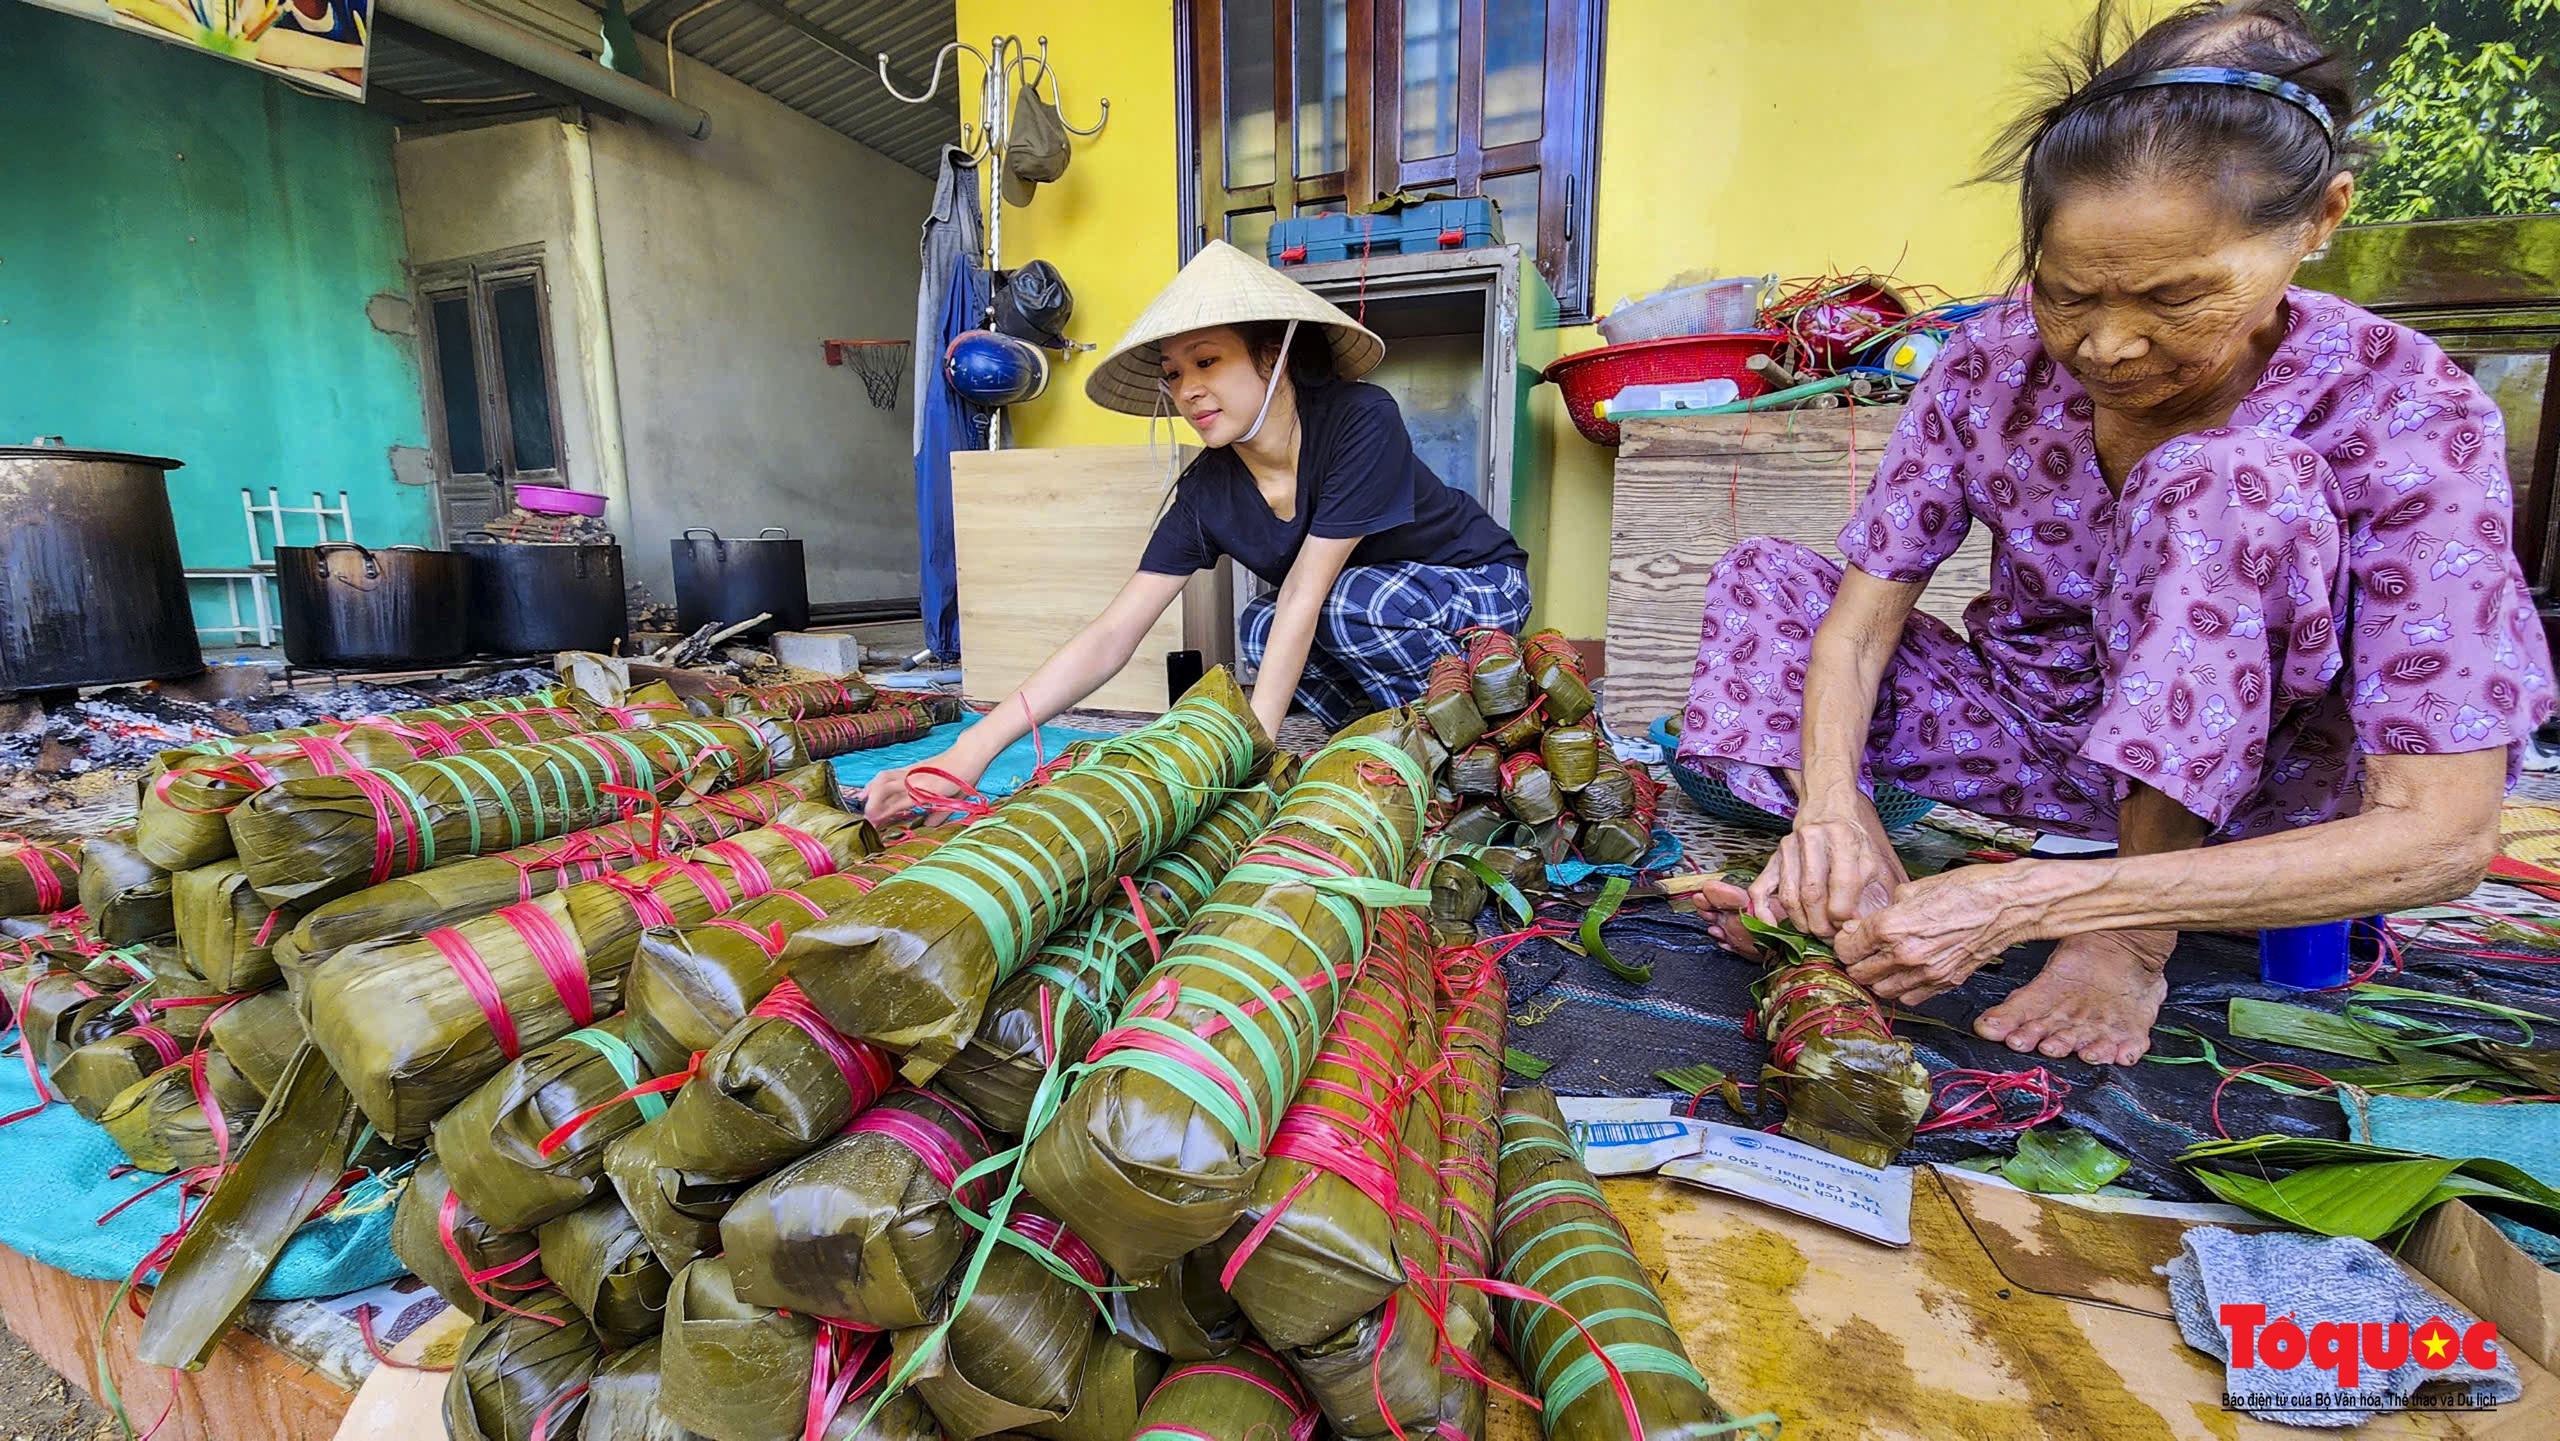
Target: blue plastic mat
(1003, 778)
(57, 1163)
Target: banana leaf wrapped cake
(1623, 840)
(1571, 754)
(478, 1269)
(799, 700)
(1154, 1152)
(1475, 1009)
(1555, 668)
(307, 841)
(1555, 1235)
(1528, 792)
(1181, 1311)
(37, 879)
(126, 897)
(772, 1090)
(1449, 703)
(911, 965)
(1245, 1395)
(1496, 675)
(599, 1260)
(184, 801)
(1013, 1358)
(528, 1145)
(92, 1075)
(258, 1036)
(190, 1114)
(1850, 1086)
(862, 1230)
(415, 1024)
(888, 724)
(736, 1371)
(678, 1215)
(228, 934)
(521, 1375)
(1064, 999)
(622, 1399)
(461, 889)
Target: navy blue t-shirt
(1357, 477)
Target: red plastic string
(1976, 1100)
(372, 1344)
(27, 1053)
(2301, 1072)
(550, 1145)
(474, 973)
(836, 1372)
(1053, 1237)
(944, 1155)
(866, 1068)
(49, 892)
(542, 1418)
(472, 1281)
(965, 800)
(646, 903)
(813, 852)
(1146, 926)
(563, 964)
(395, 826)
(632, 797)
(753, 879)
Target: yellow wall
(1746, 135)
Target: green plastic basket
(1897, 806)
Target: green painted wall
(186, 249)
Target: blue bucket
(2317, 957)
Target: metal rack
(1005, 64)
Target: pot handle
(372, 567)
(782, 531)
(691, 531)
(490, 536)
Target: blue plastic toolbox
(1416, 229)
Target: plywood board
(1847, 1340)
(1044, 540)
(1688, 488)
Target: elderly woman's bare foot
(2096, 998)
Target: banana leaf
(93, 1074)
(467, 1261)
(1521, 733)
(862, 1230)
(677, 1215)
(1449, 703)
(183, 1116)
(37, 879)
(127, 898)
(416, 1024)
(1014, 1355)
(1496, 676)
(1154, 1152)
(528, 1145)
(522, 1375)
(1476, 772)
(1522, 866)
(1119, 1375)
(775, 1088)
(258, 1036)
(799, 700)
(1475, 1008)
(1624, 841)
(1245, 1395)
(1610, 795)
(1395, 1356)
(184, 799)
(312, 840)
(1554, 841)
(1181, 1311)
(1458, 894)
(691, 985)
(442, 728)
(910, 966)
(1571, 754)
(1528, 792)
(1555, 667)
(459, 890)
(1556, 1236)
(622, 1399)
(1850, 1087)
(1059, 1004)
(1477, 825)
(820, 737)
(599, 1260)
(45, 1007)
(1315, 1247)
(2353, 1188)
(733, 1370)
(227, 932)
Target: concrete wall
(1747, 135)
(187, 249)
(726, 262)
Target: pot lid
(65, 452)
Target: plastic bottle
(1689, 395)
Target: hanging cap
(1221, 286)
(1035, 146)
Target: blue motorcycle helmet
(990, 369)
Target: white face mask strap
(1279, 368)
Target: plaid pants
(1383, 626)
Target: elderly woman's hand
(1940, 929)
(1833, 866)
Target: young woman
(1309, 480)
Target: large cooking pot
(91, 588)
(527, 599)
(727, 580)
(347, 605)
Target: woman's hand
(893, 795)
(1942, 928)
(1832, 868)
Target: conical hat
(1221, 286)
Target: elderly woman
(2251, 580)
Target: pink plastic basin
(558, 500)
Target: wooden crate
(1689, 487)
(1044, 540)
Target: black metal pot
(346, 606)
(728, 580)
(527, 599)
(91, 588)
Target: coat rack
(1007, 65)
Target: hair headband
(2258, 80)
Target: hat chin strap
(1271, 388)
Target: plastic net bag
(911, 965)
(863, 1229)
(1013, 1357)
(772, 1090)
(1064, 999)
(528, 1145)
(415, 1024)
(127, 898)
(1555, 668)
(1556, 1236)
(1449, 703)
(478, 1269)
(599, 1260)
(522, 1375)
(307, 841)
(461, 889)
(689, 985)
(37, 879)
(1154, 1152)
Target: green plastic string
(626, 1068)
